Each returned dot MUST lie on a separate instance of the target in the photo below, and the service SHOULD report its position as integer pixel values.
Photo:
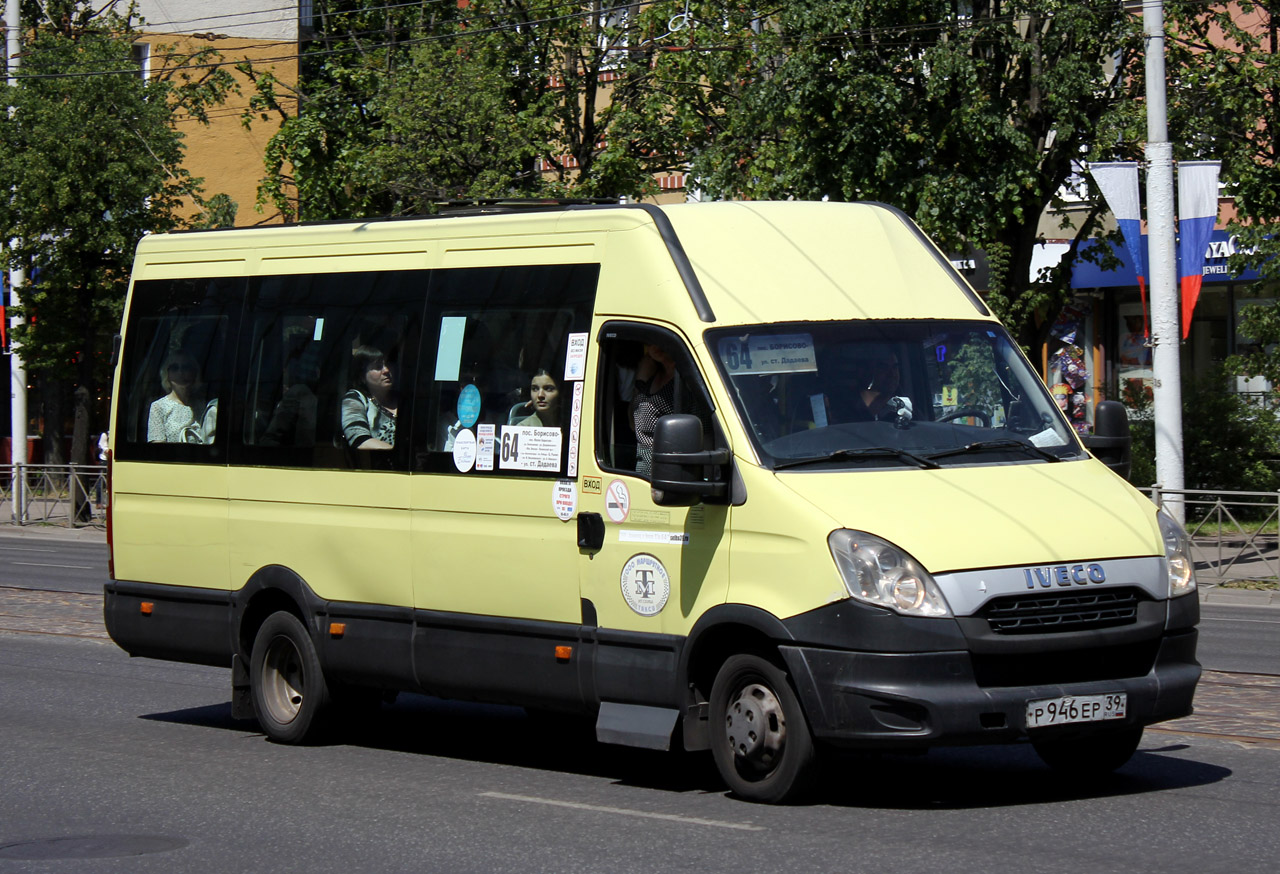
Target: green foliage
(1228, 443)
(970, 123)
(94, 162)
(405, 106)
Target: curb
(1214, 594)
(54, 532)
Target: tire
(1089, 755)
(290, 697)
(760, 739)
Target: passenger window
(503, 349)
(175, 370)
(324, 381)
(645, 373)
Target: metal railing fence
(67, 495)
(1234, 535)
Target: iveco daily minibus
(766, 479)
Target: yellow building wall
(225, 153)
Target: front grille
(1062, 611)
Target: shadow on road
(944, 779)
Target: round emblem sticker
(464, 450)
(564, 499)
(469, 405)
(645, 584)
(617, 501)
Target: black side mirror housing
(1111, 442)
(679, 463)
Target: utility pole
(1163, 273)
(17, 278)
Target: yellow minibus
(764, 479)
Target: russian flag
(1118, 182)
(1197, 214)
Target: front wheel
(759, 737)
(1092, 754)
(290, 696)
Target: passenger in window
(293, 421)
(369, 407)
(544, 402)
(652, 397)
(875, 382)
(183, 415)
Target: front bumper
(906, 700)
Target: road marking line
(691, 820)
(23, 549)
(72, 567)
(1218, 619)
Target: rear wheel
(290, 696)
(759, 737)
(1089, 755)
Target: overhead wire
(923, 28)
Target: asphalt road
(106, 755)
(115, 764)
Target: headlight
(877, 572)
(1177, 554)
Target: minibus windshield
(916, 394)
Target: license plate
(1076, 708)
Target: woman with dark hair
(544, 401)
(369, 407)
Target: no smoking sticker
(617, 501)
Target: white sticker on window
(524, 448)
(484, 447)
(768, 353)
(818, 406)
(575, 360)
(449, 352)
(319, 332)
(464, 451)
(575, 424)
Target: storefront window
(1070, 375)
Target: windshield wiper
(869, 452)
(1003, 443)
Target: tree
(404, 106)
(970, 116)
(94, 161)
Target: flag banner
(1118, 182)
(1197, 214)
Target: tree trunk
(53, 410)
(81, 511)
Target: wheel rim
(756, 727)
(283, 680)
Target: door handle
(590, 531)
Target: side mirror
(1110, 442)
(679, 463)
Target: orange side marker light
(563, 653)
(146, 607)
(337, 629)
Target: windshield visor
(889, 394)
